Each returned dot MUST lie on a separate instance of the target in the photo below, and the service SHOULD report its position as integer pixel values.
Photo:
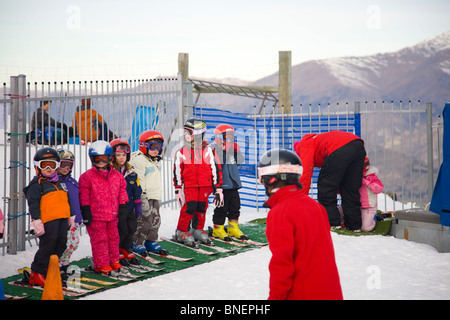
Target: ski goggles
(105, 158)
(123, 148)
(66, 164)
(47, 164)
(152, 145)
(225, 136)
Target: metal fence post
(430, 149)
(358, 119)
(22, 165)
(13, 161)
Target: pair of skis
(217, 249)
(75, 286)
(155, 261)
(67, 291)
(241, 242)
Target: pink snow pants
(367, 218)
(104, 236)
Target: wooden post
(284, 81)
(187, 103)
(183, 65)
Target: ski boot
(202, 236)
(65, 272)
(185, 238)
(234, 231)
(154, 246)
(115, 266)
(106, 270)
(140, 249)
(36, 279)
(127, 258)
(220, 233)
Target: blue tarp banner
(145, 119)
(440, 202)
(254, 137)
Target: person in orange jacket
(90, 125)
(340, 155)
(303, 264)
(50, 210)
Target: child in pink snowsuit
(370, 188)
(102, 195)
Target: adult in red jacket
(340, 155)
(303, 264)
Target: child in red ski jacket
(196, 168)
(303, 264)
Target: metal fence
(401, 139)
(126, 107)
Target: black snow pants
(53, 241)
(342, 173)
(231, 208)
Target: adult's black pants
(342, 173)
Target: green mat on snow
(382, 228)
(256, 231)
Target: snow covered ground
(370, 268)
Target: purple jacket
(103, 195)
(74, 198)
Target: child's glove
(138, 208)
(38, 227)
(179, 196)
(218, 198)
(123, 209)
(87, 215)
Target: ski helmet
(65, 154)
(150, 135)
(195, 126)
(125, 147)
(67, 158)
(279, 165)
(100, 148)
(219, 132)
(45, 153)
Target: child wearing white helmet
(103, 197)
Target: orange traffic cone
(53, 283)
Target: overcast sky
(108, 39)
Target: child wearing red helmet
(230, 157)
(146, 163)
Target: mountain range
(420, 72)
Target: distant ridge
(420, 72)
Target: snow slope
(370, 268)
